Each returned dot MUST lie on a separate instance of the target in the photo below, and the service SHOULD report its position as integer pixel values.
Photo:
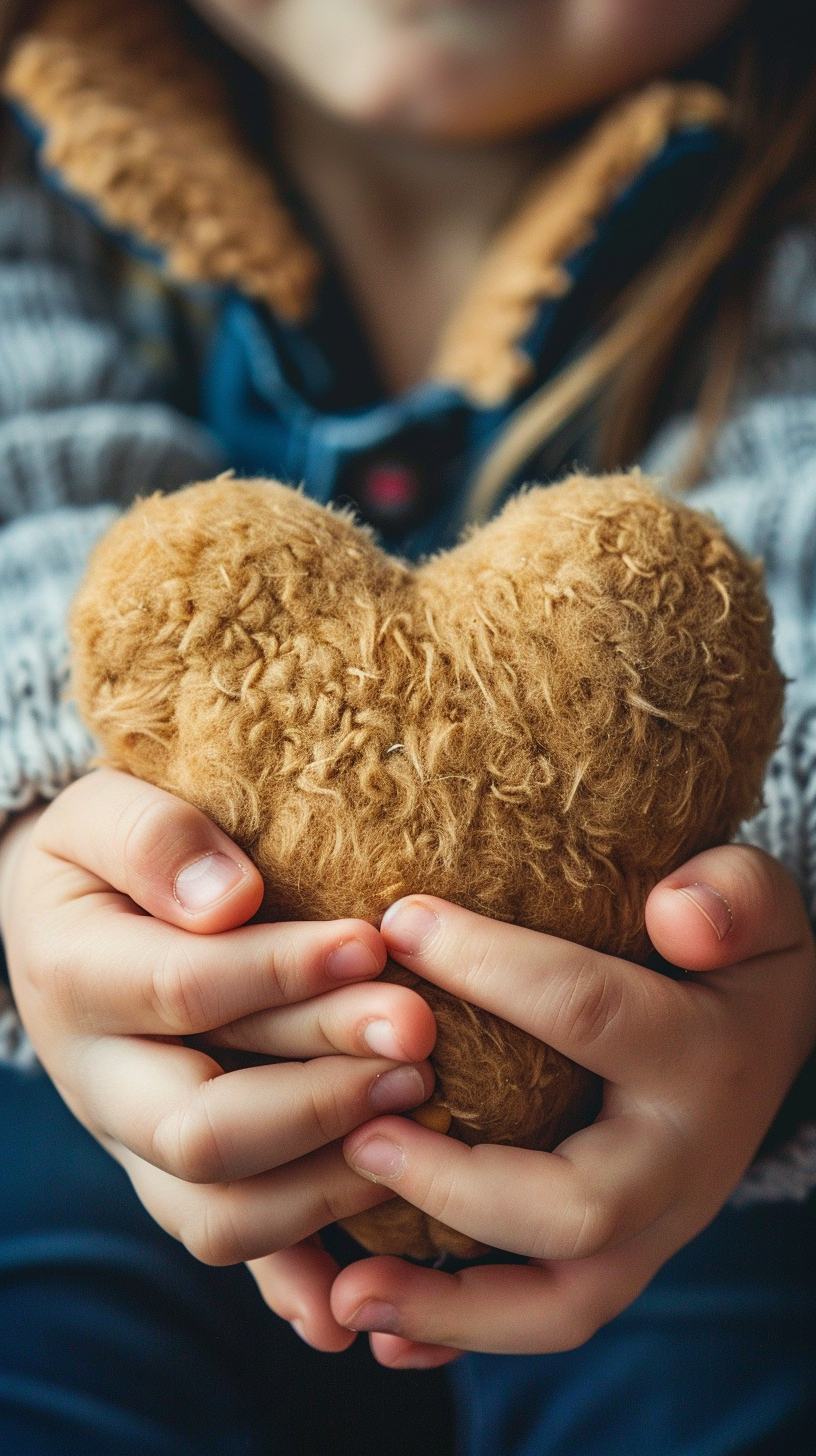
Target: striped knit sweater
(83, 429)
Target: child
(412, 252)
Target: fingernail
(206, 881)
(382, 1039)
(378, 1158)
(409, 926)
(397, 1090)
(299, 1329)
(712, 905)
(376, 1316)
(352, 960)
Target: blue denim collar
(267, 388)
(303, 402)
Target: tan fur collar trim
(139, 125)
(479, 350)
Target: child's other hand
(695, 1070)
(119, 905)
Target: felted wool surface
(538, 725)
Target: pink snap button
(390, 489)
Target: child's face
(470, 69)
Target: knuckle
(186, 1143)
(284, 965)
(482, 959)
(590, 1006)
(50, 975)
(595, 1226)
(332, 1204)
(328, 1113)
(141, 830)
(210, 1234)
(157, 832)
(584, 1229)
(438, 1197)
(175, 991)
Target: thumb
(162, 852)
(724, 906)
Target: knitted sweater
(85, 426)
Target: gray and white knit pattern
(763, 489)
(43, 745)
(83, 430)
(16, 1050)
(762, 486)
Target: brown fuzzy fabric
(538, 725)
(140, 125)
(479, 350)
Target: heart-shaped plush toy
(538, 725)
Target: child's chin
(419, 90)
(449, 110)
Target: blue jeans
(114, 1341)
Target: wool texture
(538, 725)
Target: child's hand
(234, 1164)
(695, 1070)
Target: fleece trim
(136, 122)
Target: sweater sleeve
(84, 427)
(43, 745)
(762, 486)
(83, 430)
(761, 483)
